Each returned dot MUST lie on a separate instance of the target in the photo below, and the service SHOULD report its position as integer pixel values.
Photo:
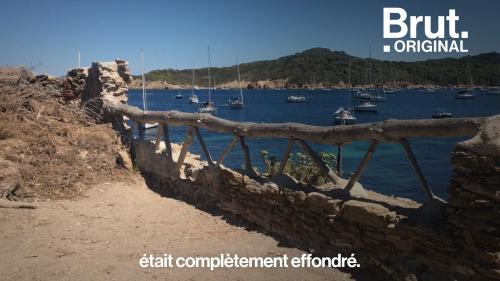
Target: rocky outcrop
(404, 239)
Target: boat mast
(144, 103)
(239, 81)
(209, 79)
(192, 89)
(78, 59)
(470, 75)
(350, 87)
(370, 66)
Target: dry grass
(57, 149)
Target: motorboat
(296, 99)
(235, 103)
(366, 106)
(441, 113)
(464, 94)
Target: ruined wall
(406, 240)
(102, 80)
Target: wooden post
(203, 146)
(362, 165)
(227, 150)
(135, 126)
(246, 154)
(413, 160)
(284, 161)
(141, 128)
(159, 133)
(185, 146)
(166, 138)
(339, 160)
(322, 166)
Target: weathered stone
(365, 213)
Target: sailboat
(179, 95)
(467, 93)
(193, 98)
(393, 89)
(209, 108)
(237, 103)
(343, 116)
(364, 104)
(144, 99)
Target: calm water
(388, 172)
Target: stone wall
(406, 240)
(474, 207)
(459, 240)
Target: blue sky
(175, 34)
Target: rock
(366, 213)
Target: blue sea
(389, 172)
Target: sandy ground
(102, 236)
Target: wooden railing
(395, 131)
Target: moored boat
(366, 106)
(441, 113)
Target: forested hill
(322, 66)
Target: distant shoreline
(262, 85)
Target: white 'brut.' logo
(436, 42)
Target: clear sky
(175, 34)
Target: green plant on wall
(299, 166)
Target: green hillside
(320, 65)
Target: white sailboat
(209, 108)
(193, 98)
(144, 99)
(343, 116)
(365, 105)
(467, 93)
(237, 103)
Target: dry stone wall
(459, 240)
(404, 239)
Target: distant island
(323, 68)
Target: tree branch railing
(392, 131)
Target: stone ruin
(102, 80)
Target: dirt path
(103, 235)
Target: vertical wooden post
(227, 150)
(133, 129)
(203, 146)
(185, 146)
(284, 160)
(420, 175)
(159, 133)
(339, 160)
(362, 165)
(246, 154)
(142, 130)
(322, 166)
(166, 138)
